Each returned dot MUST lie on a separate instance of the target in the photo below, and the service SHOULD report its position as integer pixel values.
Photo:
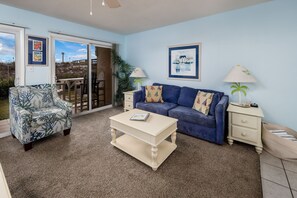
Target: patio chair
(98, 92)
(36, 112)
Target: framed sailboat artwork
(184, 61)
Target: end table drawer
(128, 105)
(128, 97)
(244, 133)
(244, 120)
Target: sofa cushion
(187, 96)
(159, 108)
(170, 93)
(188, 114)
(202, 102)
(153, 94)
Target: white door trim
(19, 33)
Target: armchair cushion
(49, 115)
(32, 98)
(42, 98)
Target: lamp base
(240, 105)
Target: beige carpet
(85, 164)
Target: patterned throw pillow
(153, 94)
(202, 102)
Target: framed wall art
(184, 61)
(37, 51)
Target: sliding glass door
(83, 73)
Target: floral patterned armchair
(36, 112)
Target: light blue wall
(40, 25)
(263, 38)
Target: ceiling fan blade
(113, 3)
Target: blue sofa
(178, 103)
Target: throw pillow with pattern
(202, 102)
(153, 94)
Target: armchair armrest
(137, 97)
(21, 120)
(221, 121)
(67, 106)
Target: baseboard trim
(5, 134)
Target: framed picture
(37, 51)
(184, 61)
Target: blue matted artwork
(37, 50)
(184, 61)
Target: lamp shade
(239, 74)
(138, 73)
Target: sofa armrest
(221, 121)
(137, 97)
(21, 120)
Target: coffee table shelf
(142, 151)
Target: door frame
(20, 71)
(19, 33)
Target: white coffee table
(144, 140)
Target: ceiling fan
(109, 3)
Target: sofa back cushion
(170, 93)
(188, 95)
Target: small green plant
(237, 87)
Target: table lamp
(239, 74)
(138, 74)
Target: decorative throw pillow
(202, 102)
(153, 94)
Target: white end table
(245, 125)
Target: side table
(128, 100)
(245, 125)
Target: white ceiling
(134, 15)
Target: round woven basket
(278, 146)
